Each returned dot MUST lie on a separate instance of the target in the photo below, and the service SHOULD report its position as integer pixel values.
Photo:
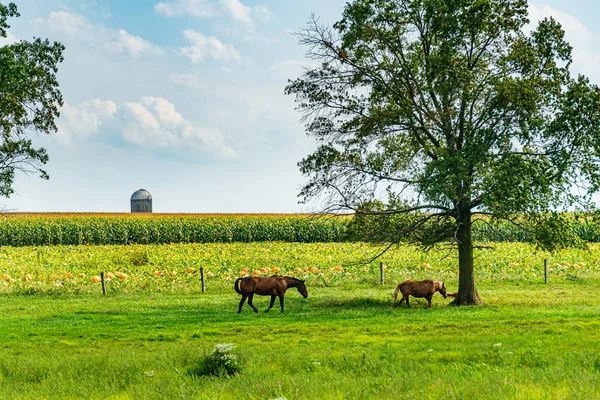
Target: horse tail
(396, 292)
(237, 285)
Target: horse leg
(428, 301)
(272, 302)
(242, 303)
(250, 302)
(407, 303)
(401, 300)
(281, 302)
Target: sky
(185, 98)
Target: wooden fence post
(381, 272)
(545, 270)
(202, 277)
(103, 283)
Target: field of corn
(110, 229)
(176, 267)
(115, 229)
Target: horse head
(441, 286)
(302, 289)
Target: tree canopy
(433, 113)
(29, 101)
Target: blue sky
(185, 99)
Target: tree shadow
(355, 302)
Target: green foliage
(139, 257)
(452, 107)
(5, 12)
(97, 230)
(29, 101)
(554, 230)
(378, 223)
(221, 361)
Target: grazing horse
(274, 286)
(425, 289)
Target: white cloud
(75, 28)
(193, 8)
(190, 81)
(152, 122)
(586, 44)
(9, 39)
(69, 25)
(143, 128)
(202, 48)
(134, 45)
(83, 120)
(262, 13)
(155, 123)
(236, 9)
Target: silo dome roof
(141, 194)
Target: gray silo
(141, 202)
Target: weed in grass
(139, 257)
(222, 361)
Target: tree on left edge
(30, 101)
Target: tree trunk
(467, 292)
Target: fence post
(381, 272)
(545, 270)
(202, 277)
(103, 283)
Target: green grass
(529, 341)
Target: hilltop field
(61, 338)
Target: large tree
(437, 112)
(29, 101)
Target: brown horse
(425, 289)
(274, 286)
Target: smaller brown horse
(274, 286)
(425, 289)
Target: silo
(141, 202)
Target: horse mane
(293, 279)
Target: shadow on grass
(377, 304)
(355, 302)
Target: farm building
(141, 202)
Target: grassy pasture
(61, 339)
(347, 342)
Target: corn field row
(106, 229)
(114, 230)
